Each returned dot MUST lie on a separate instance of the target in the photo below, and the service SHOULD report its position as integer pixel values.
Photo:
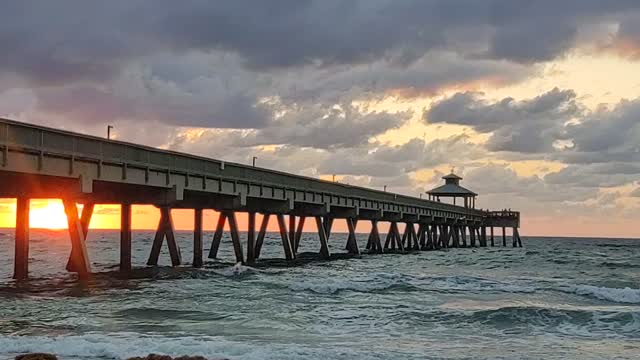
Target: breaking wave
(625, 295)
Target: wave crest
(626, 295)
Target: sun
(47, 214)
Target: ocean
(556, 298)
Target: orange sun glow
(47, 214)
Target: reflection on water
(554, 299)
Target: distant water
(554, 299)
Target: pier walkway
(40, 162)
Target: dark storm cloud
(212, 63)
(527, 126)
(69, 40)
(540, 30)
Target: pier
(40, 162)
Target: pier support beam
(396, 233)
(435, 237)
(504, 237)
(352, 242)
(251, 238)
(410, 238)
(286, 244)
(292, 233)
(261, 234)
(328, 226)
(429, 235)
(85, 219)
(125, 238)
(235, 237)
(324, 246)
(472, 236)
(463, 235)
(79, 260)
(217, 235)
(298, 233)
(444, 236)
(197, 238)
(393, 238)
(483, 236)
(456, 236)
(165, 229)
(518, 235)
(374, 244)
(21, 260)
(492, 239)
(412, 233)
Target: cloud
(300, 85)
(626, 40)
(107, 211)
(341, 125)
(496, 179)
(92, 41)
(595, 175)
(635, 193)
(605, 135)
(527, 126)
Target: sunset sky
(535, 103)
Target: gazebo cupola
(452, 189)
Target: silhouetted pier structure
(40, 162)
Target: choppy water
(554, 299)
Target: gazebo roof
(451, 190)
(452, 176)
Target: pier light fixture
(254, 161)
(109, 127)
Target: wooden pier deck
(40, 162)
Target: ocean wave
(405, 283)
(154, 313)
(337, 286)
(621, 265)
(469, 283)
(618, 295)
(112, 346)
(566, 321)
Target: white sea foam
(235, 270)
(125, 345)
(626, 295)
